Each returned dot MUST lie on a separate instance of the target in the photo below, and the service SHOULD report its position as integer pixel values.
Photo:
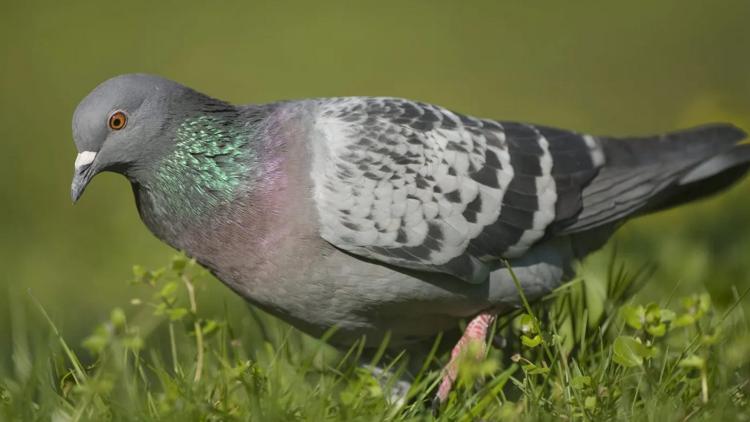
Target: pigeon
(382, 217)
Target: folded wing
(421, 187)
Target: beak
(82, 174)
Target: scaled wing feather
(420, 187)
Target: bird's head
(120, 125)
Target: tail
(713, 176)
(643, 175)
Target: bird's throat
(212, 162)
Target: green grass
(589, 351)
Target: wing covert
(421, 187)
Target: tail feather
(739, 156)
(707, 179)
(648, 174)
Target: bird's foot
(475, 333)
(395, 389)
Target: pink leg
(475, 331)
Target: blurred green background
(634, 67)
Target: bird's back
(420, 187)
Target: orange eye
(117, 120)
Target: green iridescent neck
(208, 166)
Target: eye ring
(117, 120)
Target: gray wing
(421, 187)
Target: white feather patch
(597, 155)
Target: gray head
(120, 125)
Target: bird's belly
(363, 298)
